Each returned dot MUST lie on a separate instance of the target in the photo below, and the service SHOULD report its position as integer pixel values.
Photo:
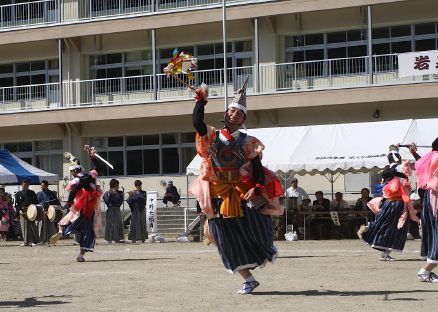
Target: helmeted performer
(426, 169)
(84, 204)
(389, 230)
(236, 193)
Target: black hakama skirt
(429, 227)
(84, 227)
(382, 233)
(244, 242)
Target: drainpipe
(370, 45)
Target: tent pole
(332, 183)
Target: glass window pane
(42, 146)
(19, 147)
(357, 51)
(152, 139)
(134, 162)
(312, 55)
(356, 35)
(53, 64)
(188, 137)
(151, 161)
(38, 65)
(401, 47)
(337, 53)
(134, 140)
(314, 39)
(207, 64)
(133, 71)
(23, 81)
(242, 62)
(38, 79)
(57, 145)
(116, 159)
(6, 82)
(243, 46)
(425, 45)
(114, 58)
(12, 147)
(99, 142)
(336, 37)
(115, 141)
(401, 31)
(166, 53)
(170, 160)
(380, 33)
(6, 68)
(382, 48)
(114, 72)
(424, 29)
(48, 145)
(170, 138)
(298, 56)
(187, 155)
(23, 67)
(50, 163)
(206, 49)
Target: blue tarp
(13, 170)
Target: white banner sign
(151, 212)
(418, 63)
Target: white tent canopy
(337, 148)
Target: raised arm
(198, 111)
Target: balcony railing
(52, 12)
(275, 78)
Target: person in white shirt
(338, 203)
(296, 192)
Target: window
(27, 73)
(425, 45)
(353, 43)
(400, 31)
(425, 29)
(337, 37)
(167, 153)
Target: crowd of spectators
(318, 216)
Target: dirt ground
(307, 276)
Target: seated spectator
(321, 225)
(338, 203)
(321, 203)
(361, 203)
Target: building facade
(75, 72)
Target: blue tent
(13, 170)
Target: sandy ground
(307, 276)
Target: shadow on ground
(35, 302)
(128, 260)
(359, 293)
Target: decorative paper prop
(181, 63)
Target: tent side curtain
(13, 170)
(337, 148)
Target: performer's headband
(239, 106)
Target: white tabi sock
(250, 279)
(423, 271)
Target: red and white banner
(418, 63)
